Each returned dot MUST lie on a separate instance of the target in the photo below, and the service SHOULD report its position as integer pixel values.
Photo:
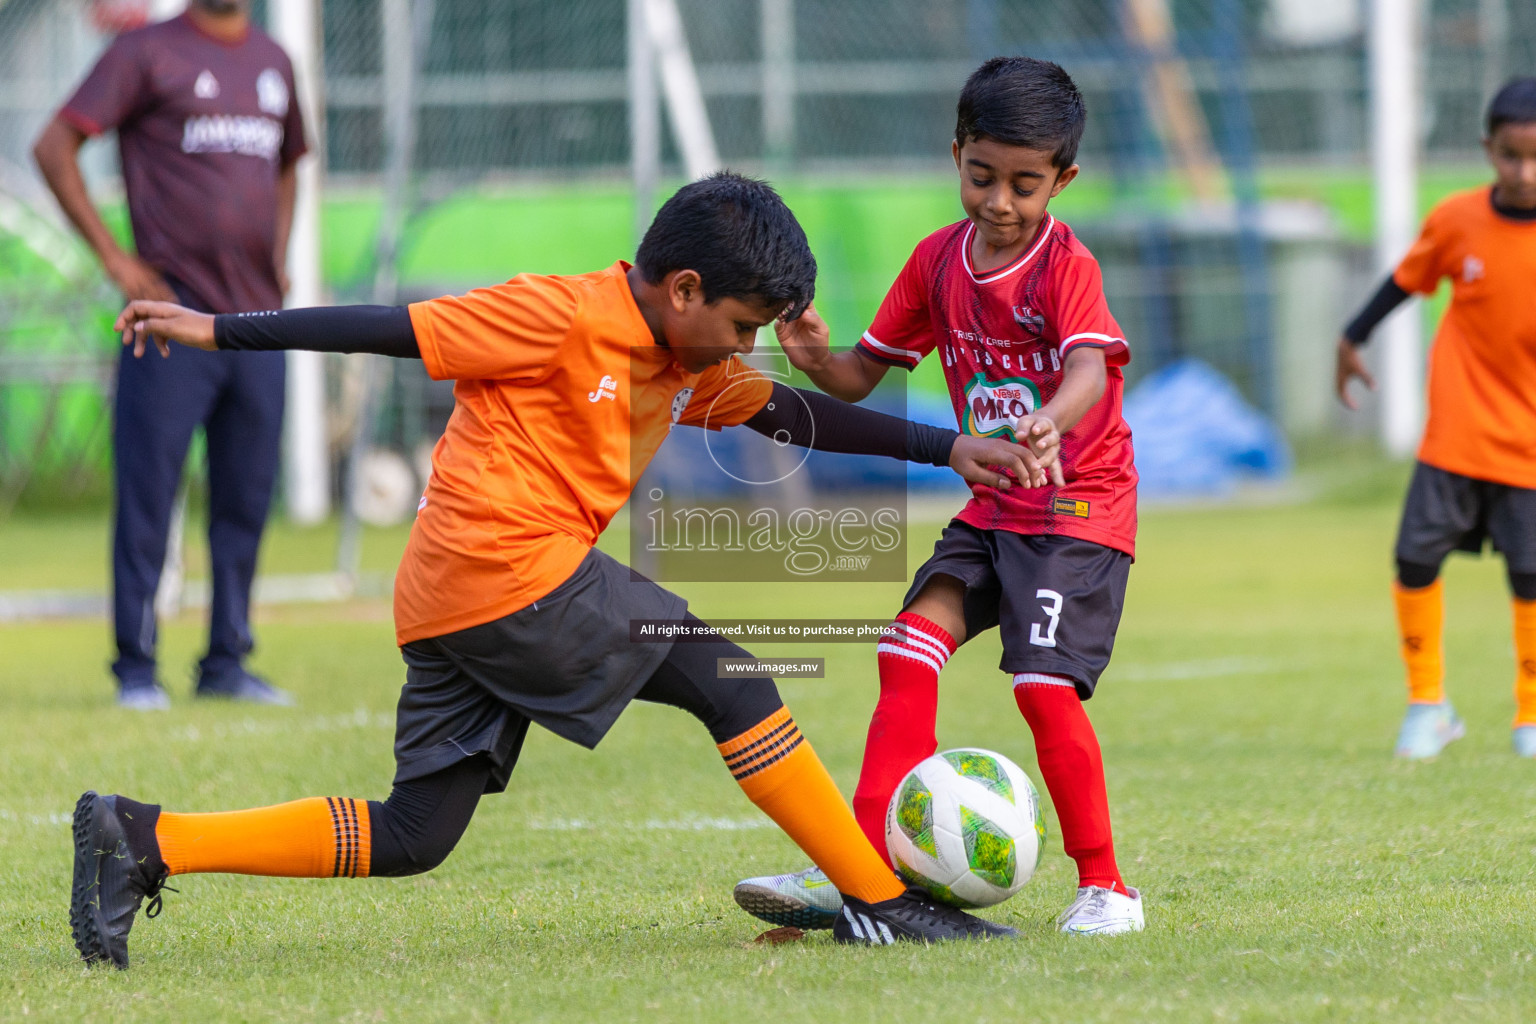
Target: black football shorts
(565, 662)
(1056, 600)
(1447, 512)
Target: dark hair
(1021, 101)
(740, 237)
(1515, 103)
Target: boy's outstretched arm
(810, 420)
(846, 375)
(383, 330)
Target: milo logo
(992, 406)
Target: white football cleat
(801, 899)
(1427, 730)
(1100, 911)
(1524, 740)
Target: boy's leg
(773, 763)
(1441, 512)
(782, 775)
(1524, 587)
(126, 850)
(1419, 599)
(1072, 767)
(910, 654)
(1512, 525)
(953, 596)
(1058, 625)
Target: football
(966, 826)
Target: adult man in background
(209, 131)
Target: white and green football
(966, 825)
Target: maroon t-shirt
(203, 126)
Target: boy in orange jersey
(1476, 472)
(505, 612)
(1012, 304)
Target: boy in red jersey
(1476, 472)
(1013, 304)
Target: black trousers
(237, 398)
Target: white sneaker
(1525, 740)
(1099, 911)
(144, 698)
(1427, 730)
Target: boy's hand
(1347, 365)
(164, 321)
(806, 341)
(980, 459)
(1038, 433)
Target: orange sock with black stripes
(319, 837)
(782, 775)
(1420, 621)
(1525, 662)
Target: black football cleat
(110, 883)
(914, 916)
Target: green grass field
(1293, 870)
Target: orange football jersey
(562, 399)
(1482, 368)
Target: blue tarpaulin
(1195, 435)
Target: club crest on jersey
(992, 406)
(206, 87)
(272, 93)
(680, 403)
(1027, 318)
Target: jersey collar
(1008, 268)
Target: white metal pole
(1395, 103)
(644, 117)
(778, 86)
(307, 486)
(1493, 34)
(680, 85)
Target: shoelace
(156, 904)
(1095, 897)
(919, 905)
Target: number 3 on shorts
(1051, 605)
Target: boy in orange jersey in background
(1476, 473)
(505, 612)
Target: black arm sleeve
(383, 330)
(810, 419)
(1387, 298)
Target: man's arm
(382, 330)
(57, 152)
(810, 420)
(287, 197)
(846, 375)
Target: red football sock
(1073, 770)
(910, 654)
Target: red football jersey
(1003, 336)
